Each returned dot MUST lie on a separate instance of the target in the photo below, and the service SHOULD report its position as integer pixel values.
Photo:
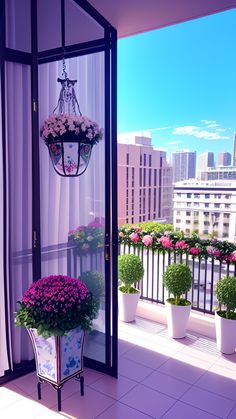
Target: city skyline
(184, 101)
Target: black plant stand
(79, 377)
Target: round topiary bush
(130, 270)
(95, 282)
(226, 294)
(178, 281)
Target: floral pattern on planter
(69, 352)
(71, 348)
(45, 355)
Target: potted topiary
(57, 311)
(226, 319)
(130, 271)
(178, 281)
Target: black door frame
(108, 45)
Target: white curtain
(65, 202)
(4, 365)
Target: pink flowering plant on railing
(56, 304)
(159, 237)
(90, 238)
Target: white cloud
(207, 122)
(158, 129)
(175, 142)
(198, 132)
(220, 130)
(212, 125)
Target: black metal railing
(206, 272)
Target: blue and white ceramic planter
(58, 358)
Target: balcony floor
(158, 378)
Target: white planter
(177, 319)
(225, 334)
(127, 306)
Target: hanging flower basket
(70, 139)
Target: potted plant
(57, 311)
(226, 319)
(178, 281)
(95, 283)
(130, 272)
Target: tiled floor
(158, 378)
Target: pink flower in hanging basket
(134, 237)
(147, 240)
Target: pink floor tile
(121, 411)
(91, 376)
(26, 408)
(49, 395)
(183, 411)
(232, 414)
(9, 396)
(148, 401)
(182, 371)
(89, 406)
(113, 387)
(133, 370)
(146, 357)
(27, 383)
(209, 402)
(166, 384)
(218, 384)
(124, 346)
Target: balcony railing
(206, 272)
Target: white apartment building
(206, 207)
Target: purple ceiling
(130, 17)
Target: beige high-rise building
(206, 207)
(184, 165)
(205, 160)
(144, 181)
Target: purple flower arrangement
(56, 304)
(170, 241)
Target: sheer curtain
(4, 365)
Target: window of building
(196, 204)
(127, 177)
(207, 195)
(226, 215)
(144, 159)
(140, 218)
(144, 218)
(188, 213)
(225, 234)
(206, 223)
(140, 177)
(206, 214)
(206, 205)
(150, 177)
(144, 177)
(177, 229)
(132, 177)
(205, 231)
(132, 220)
(155, 177)
(127, 220)
(188, 222)
(149, 199)
(155, 200)
(150, 160)
(189, 195)
(195, 221)
(149, 217)
(177, 212)
(217, 205)
(217, 196)
(188, 204)
(196, 213)
(178, 220)
(196, 195)
(226, 225)
(127, 159)
(227, 196)
(187, 230)
(227, 205)
(141, 159)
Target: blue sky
(180, 82)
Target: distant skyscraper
(224, 159)
(145, 188)
(205, 160)
(234, 156)
(184, 165)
